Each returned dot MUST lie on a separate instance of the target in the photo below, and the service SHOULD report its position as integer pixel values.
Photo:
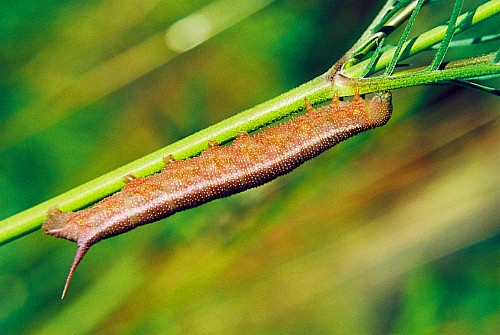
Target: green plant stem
(481, 66)
(317, 90)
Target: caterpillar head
(380, 108)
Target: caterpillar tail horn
(80, 252)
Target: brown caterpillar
(219, 171)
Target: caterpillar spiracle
(219, 171)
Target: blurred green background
(394, 231)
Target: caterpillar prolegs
(219, 171)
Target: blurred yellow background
(393, 231)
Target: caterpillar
(219, 171)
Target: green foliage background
(394, 231)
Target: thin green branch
(399, 13)
(397, 53)
(448, 36)
(374, 57)
(466, 42)
(476, 86)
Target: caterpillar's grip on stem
(219, 171)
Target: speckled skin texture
(219, 171)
